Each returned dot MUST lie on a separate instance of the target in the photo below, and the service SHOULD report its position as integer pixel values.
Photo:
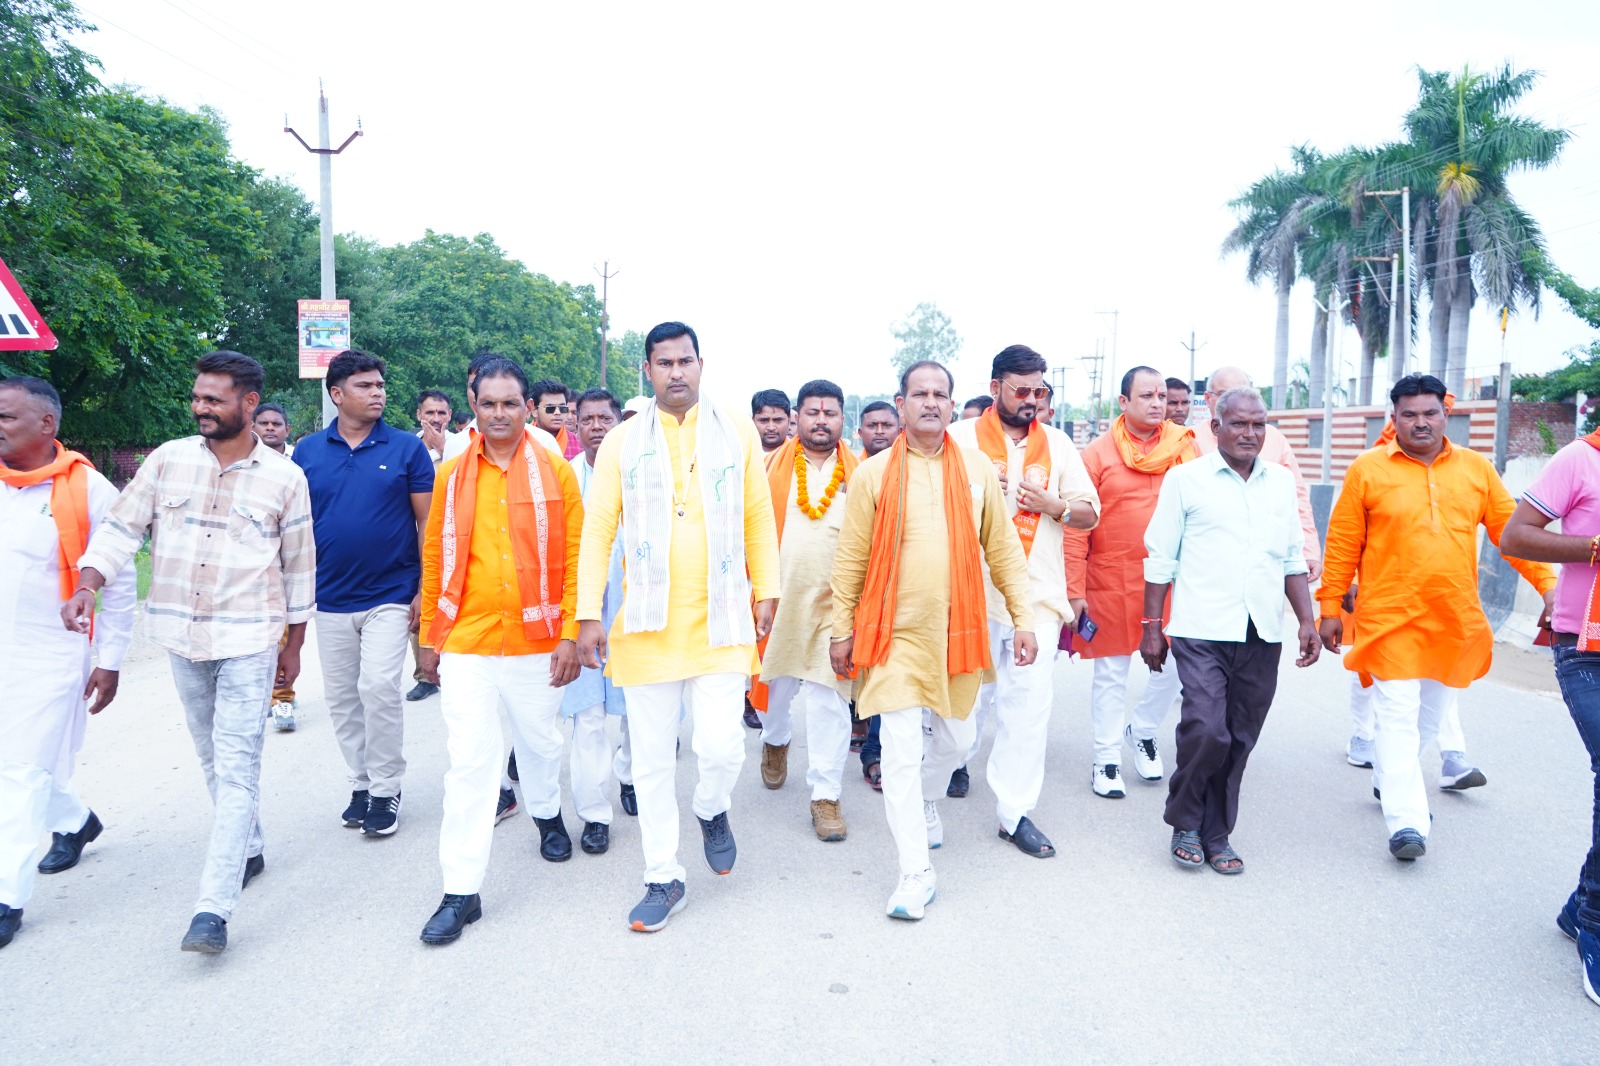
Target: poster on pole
(324, 333)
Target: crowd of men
(571, 561)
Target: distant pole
(325, 153)
(1404, 347)
(606, 275)
(1502, 400)
(1192, 349)
(1111, 367)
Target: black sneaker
(511, 766)
(254, 865)
(383, 816)
(1407, 845)
(421, 691)
(720, 848)
(506, 807)
(960, 782)
(660, 903)
(356, 813)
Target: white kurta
(43, 717)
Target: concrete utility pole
(1192, 349)
(1400, 349)
(1111, 367)
(325, 153)
(606, 274)
(1095, 361)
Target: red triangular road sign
(21, 328)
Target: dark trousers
(1579, 675)
(1227, 690)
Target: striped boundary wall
(1354, 428)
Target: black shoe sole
(204, 947)
(1409, 851)
(1473, 780)
(453, 937)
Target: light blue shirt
(1225, 544)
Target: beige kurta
(798, 646)
(915, 674)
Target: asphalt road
(1325, 949)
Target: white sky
(792, 180)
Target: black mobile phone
(1086, 627)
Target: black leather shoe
(1029, 840)
(421, 691)
(455, 913)
(511, 766)
(596, 838)
(554, 843)
(752, 718)
(67, 848)
(252, 866)
(630, 801)
(208, 934)
(960, 781)
(10, 922)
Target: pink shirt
(1569, 489)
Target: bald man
(1274, 449)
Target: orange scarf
(1388, 428)
(1176, 445)
(780, 475)
(538, 538)
(992, 441)
(968, 643)
(1589, 633)
(69, 506)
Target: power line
(215, 77)
(237, 44)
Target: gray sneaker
(1359, 753)
(660, 903)
(283, 716)
(1458, 774)
(720, 848)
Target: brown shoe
(774, 765)
(826, 820)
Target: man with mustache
(232, 561)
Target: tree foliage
(927, 333)
(1581, 374)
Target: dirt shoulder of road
(1528, 669)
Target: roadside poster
(21, 328)
(324, 333)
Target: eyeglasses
(555, 408)
(1037, 392)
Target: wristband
(1147, 621)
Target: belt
(1564, 640)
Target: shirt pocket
(173, 513)
(249, 527)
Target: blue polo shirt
(361, 515)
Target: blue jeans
(225, 702)
(1579, 676)
(872, 746)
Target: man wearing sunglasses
(1046, 489)
(550, 409)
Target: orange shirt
(1412, 531)
(1105, 565)
(490, 621)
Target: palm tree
(1272, 223)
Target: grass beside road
(141, 564)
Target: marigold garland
(802, 499)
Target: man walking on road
(686, 484)
(233, 561)
(1047, 490)
(499, 579)
(1105, 572)
(434, 416)
(1225, 539)
(51, 502)
(271, 424)
(909, 609)
(1407, 519)
(809, 476)
(370, 488)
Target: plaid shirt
(232, 553)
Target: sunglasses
(1023, 392)
(555, 408)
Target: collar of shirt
(378, 434)
(1219, 463)
(259, 452)
(1392, 448)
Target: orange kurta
(1412, 532)
(490, 619)
(1105, 565)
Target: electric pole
(1111, 368)
(1192, 349)
(1402, 336)
(606, 274)
(325, 153)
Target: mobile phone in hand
(1086, 627)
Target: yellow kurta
(916, 673)
(683, 648)
(798, 646)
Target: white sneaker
(1457, 774)
(1107, 781)
(1146, 762)
(935, 827)
(911, 899)
(1358, 753)
(283, 716)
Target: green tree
(1581, 374)
(927, 333)
(625, 357)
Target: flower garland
(802, 498)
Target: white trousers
(591, 765)
(716, 706)
(32, 803)
(1406, 717)
(363, 658)
(471, 690)
(1451, 737)
(622, 765)
(1108, 698)
(827, 730)
(913, 769)
(1022, 701)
